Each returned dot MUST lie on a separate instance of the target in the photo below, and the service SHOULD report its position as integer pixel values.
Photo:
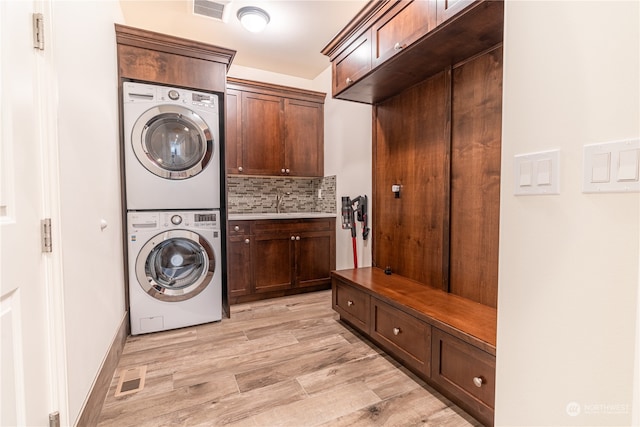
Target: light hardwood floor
(281, 362)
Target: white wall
(347, 151)
(568, 281)
(88, 134)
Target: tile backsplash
(258, 194)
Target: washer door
(172, 142)
(175, 266)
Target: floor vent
(211, 9)
(131, 381)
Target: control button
(176, 219)
(174, 95)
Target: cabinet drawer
(467, 372)
(402, 335)
(237, 228)
(351, 304)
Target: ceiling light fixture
(253, 18)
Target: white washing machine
(175, 269)
(171, 148)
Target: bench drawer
(352, 305)
(402, 335)
(466, 372)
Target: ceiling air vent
(212, 9)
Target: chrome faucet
(279, 199)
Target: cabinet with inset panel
(278, 130)
(269, 258)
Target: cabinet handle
(396, 331)
(398, 46)
(236, 228)
(350, 303)
(281, 170)
(478, 381)
(349, 81)
(287, 170)
(293, 237)
(297, 237)
(246, 241)
(239, 168)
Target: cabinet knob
(282, 170)
(236, 228)
(349, 303)
(349, 81)
(246, 241)
(239, 168)
(396, 331)
(287, 170)
(478, 381)
(297, 237)
(398, 46)
(293, 237)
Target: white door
(28, 356)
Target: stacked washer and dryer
(173, 200)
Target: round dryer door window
(175, 265)
(172, 142)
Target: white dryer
(175, 269)
(171, 148)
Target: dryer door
(172, 142)
(175, 265)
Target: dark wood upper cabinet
(429, 35)
(303, 137)
(153, 57)
(278, 130)
(449, 8)
(352, 64)
(400, 27)
(262, 134)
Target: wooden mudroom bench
(447, 340)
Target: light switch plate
(537, 173)
(612, 167)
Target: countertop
(284, 215)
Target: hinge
(38, 31)
(54, 419)
(47, 245)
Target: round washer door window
(172, 142)
(175, 266)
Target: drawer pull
(399, 46)
(349, 81)
(396, 331)
(240, 169)
(246, 241)
(236, 228)
(349, 303)
(478, 381)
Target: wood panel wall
(441, 140)
(475, 178)
(411, 149)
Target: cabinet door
(272, 257)
(233, 131)
(402, 25)
(352, 64)
(449, 8)
(239, 271)
(304, 145)
(315, 258)
(263, 150)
